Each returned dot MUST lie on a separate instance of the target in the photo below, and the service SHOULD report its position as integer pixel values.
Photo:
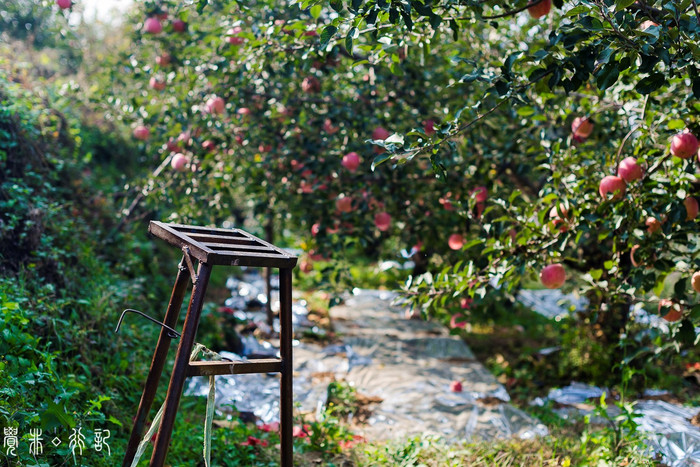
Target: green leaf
(696, 87)
(502, 87)
(435, 21)
(408, 21)
(396, 69)
(348, 39)
(201, 5)
(372, 16)
(686, 333)
(380, 159)
(55, 416)
(114, 420)
(676, 124)
(315, 11)
(337, 5)
(525, 111)
(327, 34)
(607, 76)
(651, 83)
(508, 65)
(622, 4)
(438, 167)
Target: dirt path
(409, 365)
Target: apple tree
(498, 142)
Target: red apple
(152, 25)
(209, 145)
(179, 25)
(215, 105)
(142, 133)
(695, 281)
(553, 276)
(653, 225)
(351, 161)
(480, 193)
(429, 127)
(454, 324)
(455, 242)
(691, 208)
(179, 162)
(647, 24)
(343, 204)
(380, 133)
(629, 170)
(172, 145)
(306, 266)
(539, 9)
(456, 386)
(156, 84)
(675, 312)
(163, 59)
(382, 221)
(64, 4)
(447, 204)
(582, 127)
(329, 128)
(184, 137)
(310, 84)
(232, 36)
(614, 185)
(684, 145)
(559, 216)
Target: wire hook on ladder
(171, 332)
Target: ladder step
(263, 365)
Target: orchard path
(409, 365)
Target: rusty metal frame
(210, 246)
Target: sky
(106, 10)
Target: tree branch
(514, 11)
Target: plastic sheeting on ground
(407, 364)
(670, 432)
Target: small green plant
(341, 399)
(618, 439)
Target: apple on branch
(152, 25)
(351, 161)
(684, 145)
(142, 133)
(539, 8)
(614, 185)
(553, 276)
(629, 170)
(455, 241)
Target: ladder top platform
(226, 247)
